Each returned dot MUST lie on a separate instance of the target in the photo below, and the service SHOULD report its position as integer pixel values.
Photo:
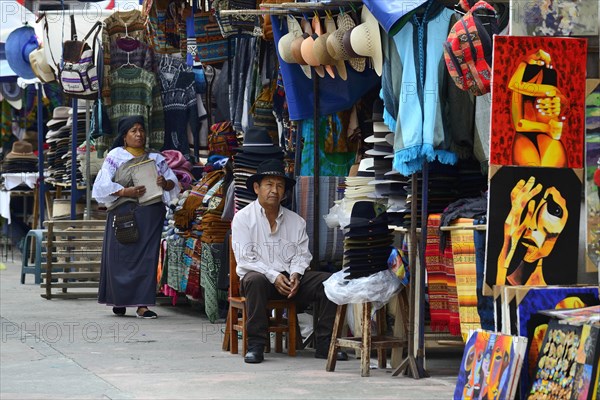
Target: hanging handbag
(78, 74)
(126, 228)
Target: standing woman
(128, 271)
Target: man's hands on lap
(288, 287)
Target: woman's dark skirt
(128, 271)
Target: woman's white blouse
(104, 187)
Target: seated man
(271, 249)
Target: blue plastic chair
(36, 267)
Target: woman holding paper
(128, 270)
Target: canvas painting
(592, 175)
(567, 363)
(538, 102)
(554, 17)
(533, 231)
(490, 363)
(533, 300)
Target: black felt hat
(367, 214)
(270, 168)
(258, 141)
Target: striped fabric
(463, 249)
(331, 240)
(453, 316)
(436, 276)
(212, 46)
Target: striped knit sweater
(134, 91)
(116, 26)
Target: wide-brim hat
(335, 42)
(255, 159)
(60, 115)
(12, 93)
(367, 214)
(372, 241)
(40, 66)
(308, 45)
(370, 231)
(369, 252)
(19, 44)
(381, 149)
(322, 54)
(21, 150)
(258, 141)
(364, 168)
(270, 168)
(284, 46)
(356, 61)
(365, 40)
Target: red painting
(538, 102)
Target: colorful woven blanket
(463, 250)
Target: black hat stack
(368, 240)
(20, 159)
(257, 147)
(58, 143)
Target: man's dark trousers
(258, 291)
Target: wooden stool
(363, 344)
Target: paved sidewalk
(77, 349)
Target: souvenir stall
(448, 169)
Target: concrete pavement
(77, 349)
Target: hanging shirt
(420, 135)
(179, 103)
(258, 249)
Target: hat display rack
(413, 363)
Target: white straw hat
(366, 40)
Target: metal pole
(88, 175)
(316, 173)
(74, 161)
(40, 124)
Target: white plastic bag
(377, 288)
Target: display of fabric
(463, 251)
(177, 270)
(437, 280)
(335, 163)
(419, 131)
(118, 25)
(179, 102)
(453, 307)
(166, 26)
(209, 269)
(331, 245)
(211, 45)
(135, 91)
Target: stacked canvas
(490, 366)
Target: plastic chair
(36, 267)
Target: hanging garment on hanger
(421, 134)
(135, 91)
(166, 25)
(119, 25)
(180, 106)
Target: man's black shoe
(341, 355)
(254, 356)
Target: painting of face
(549, 219)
